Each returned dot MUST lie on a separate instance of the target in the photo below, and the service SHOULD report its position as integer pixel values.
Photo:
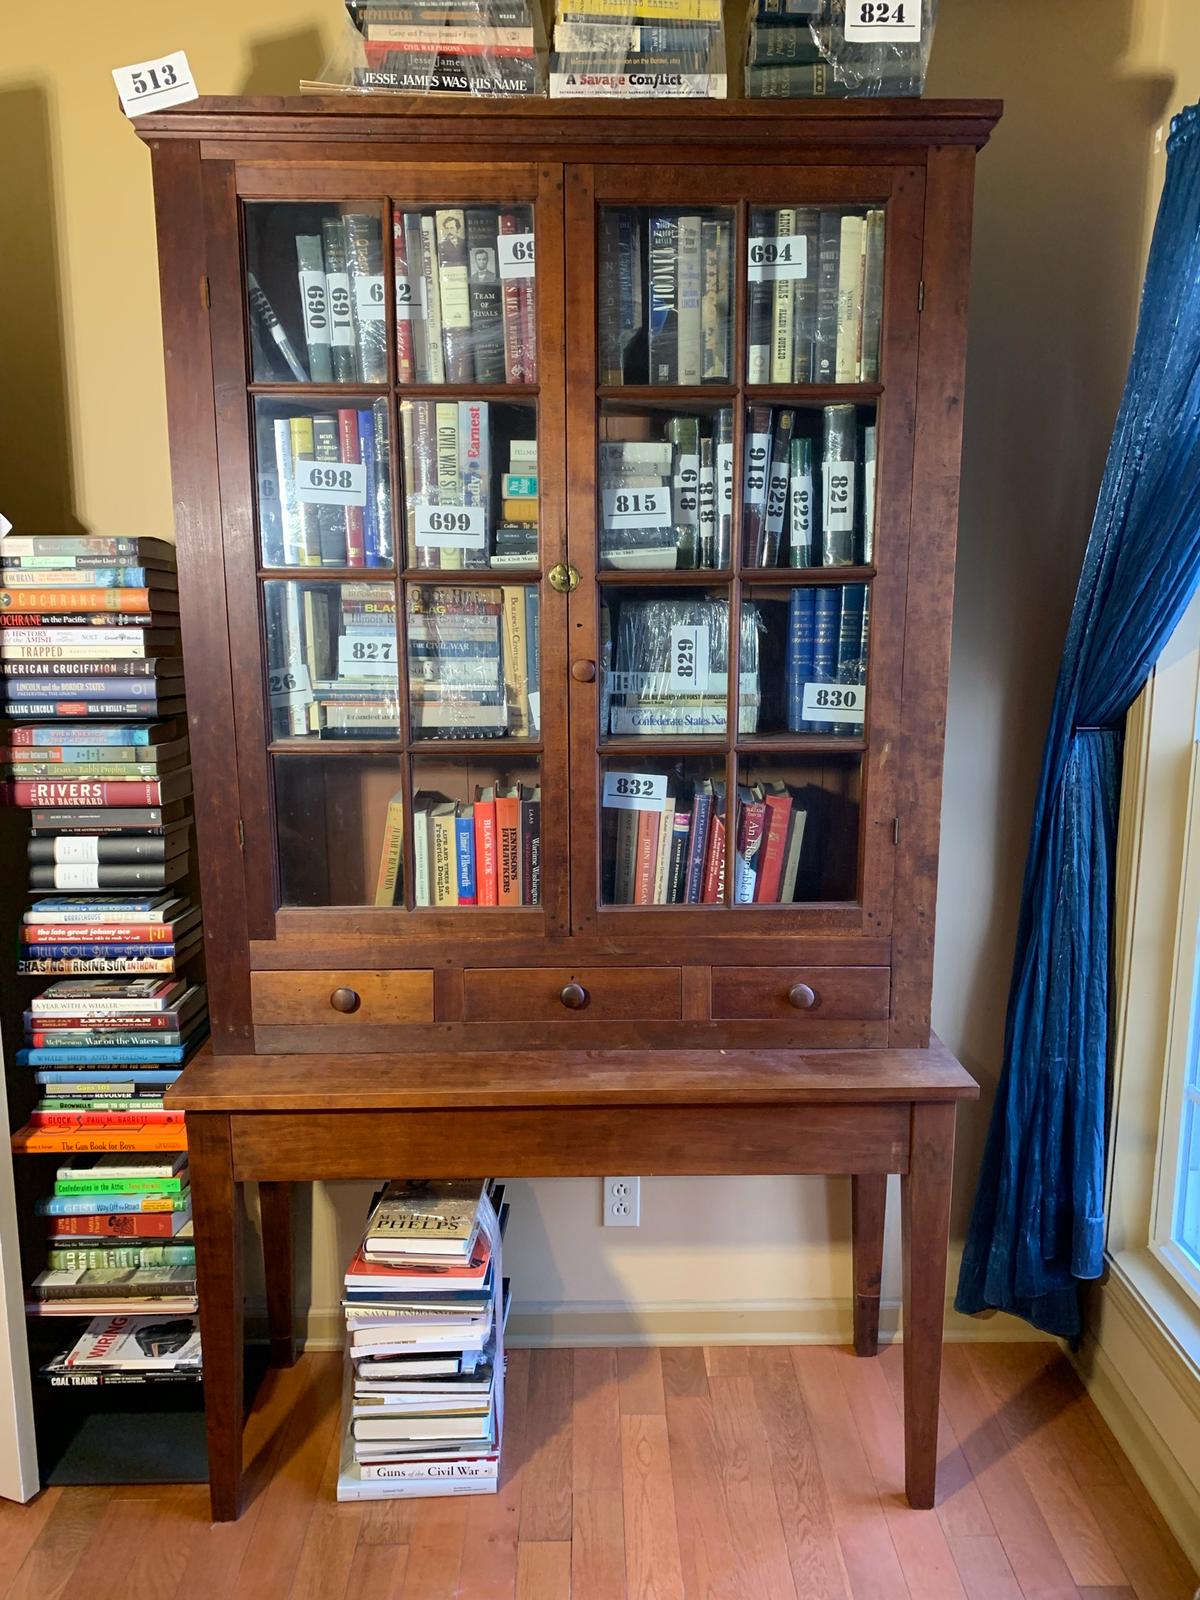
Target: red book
(356, 555)
(714, 862)
(774, 848)
(97, 792)
(39, 600)
(508, 850)
(405, 369)
(528, 293)
(649, 824)
(487, 878)
(119, 1225)
(514, 322)
(751, 825)
(67, 1120)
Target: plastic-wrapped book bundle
(425, 1302)
(810, 49)
(471, 47)
(638, 49)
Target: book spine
(611, 266)
(486, 857)
(839, 472)
(713, 891)
(364, 261)
(776, 507)
(405, 370)
(409, 224)
(681, 826)
(314, 303)
(343, 354)
(331, 520)
(455, 295)
(124, 1225)
(381, 555)
(828, 252)
(449, 469)
(782, 306)
(850, 300)
(82, 793)
(350, 450)
(663, 323)
(111, 1258)
(751, 822)
(474, 432)
(697, 849)
(483, 283)
(800, 504)
(804, 310)
(464, 843)
(868, 510)
(723, 470)
(365, 424)
(646, 860)
(512, 312)
(433, 301)
(759, 305)
(508, 847)
(303, 449)
(755, 476)
(391, 856)
(38, 601)
(801, 643)
(774, 848)
(689, 290)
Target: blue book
(533, 649)
(366, 454)
(702, 805)
(51, 907)
(464, 849)
(802, 621)
(91, 952)
(96, 578)
(87, 1205)
(99, 688)
(662, 320)
(71, 733)
(161, 1076)
(63, 1056)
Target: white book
(422, 895)
(850, 300)
(417, 1428)
(433, 301)
(419, 297)
(689, 283)
(666, 823)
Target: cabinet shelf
(637, 394)
(813, 394)
(791, 577)
(668, 577)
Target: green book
(74, 1186)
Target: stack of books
(473, 659)
(123, 1349)
(485, 853)
(798, 50)
(301, 456)
(814, 295)
(666, 491)
(488, 47)
(333, 660)
(828, 629)
(638, 49)
(808, 487)
(454, 517)
(425, 1305)
(669, 671)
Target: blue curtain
(1038, 1222)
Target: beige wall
(1064, 191)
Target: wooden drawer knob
(574, 996)
(802, 997)
(346, 1000)
(583, 671)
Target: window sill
(1157, 1294)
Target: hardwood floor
(768, 1473)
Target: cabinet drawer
(556, 994)
(854, 994)
(280, 998)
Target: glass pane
(332, 659)
(796, 830)
(662, 831)
(477, 832)
(324, 483)
(664, 664)
(808, 487)
(666, 295)
(1187, 1228)
(314, 283)
(812, 656)
(466, 294)
(814, 295)
(470, 484)
(340, 830)
(474, 662)
(666, 488)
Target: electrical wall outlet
(622, 1202)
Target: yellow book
(520, 511)
(516, 664)
(310, 532)
(659, 10)
(391, 856)
(449, 470)
(443, 861)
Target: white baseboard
(550, 1325)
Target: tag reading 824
(883, 21)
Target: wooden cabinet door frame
(901, 189)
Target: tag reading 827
(883, 21)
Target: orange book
(103, 1141)
(714, 863)
(649, 824)
(508, 852)
(118, 1225)
(130, 600)
(487, 878)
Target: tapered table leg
(925, 1218)
(217, 1220)
(868, 1202)
(275, 1207)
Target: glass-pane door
(403, 519)
(725, 516)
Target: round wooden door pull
(345, 1000)
(802, 997)
(583, 671)
(574, 996)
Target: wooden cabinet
(566, 502)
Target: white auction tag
(689, 658)
(404, 296)
(515, 255)
(635, 791)
(341, 321)
(153, 85)
(449, 527)
(331, 483)
(362, 657)
(290, 686)
(637, 508)
(883, 21)
(368, 297)
(768, 260)
(839, 496)
(834, 702)
(315, 306)
(5, 525)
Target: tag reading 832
(634, 791)
(883, 21)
